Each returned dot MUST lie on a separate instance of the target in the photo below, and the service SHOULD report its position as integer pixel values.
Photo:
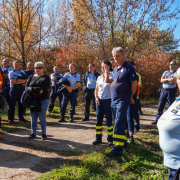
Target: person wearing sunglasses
(39, 83)
(168, 91)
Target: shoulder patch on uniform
(174, 111)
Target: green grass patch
(140, 161)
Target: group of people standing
(113, 94)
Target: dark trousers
(173, 174)
(72, 97)
(119, 112)
(130, 118)
(136, 113)
(89, 95)
(104, 108)
(15, 95)
(164, 97)
(53, 97)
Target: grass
(143, 161)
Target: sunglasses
(171, 64)
(38, 67)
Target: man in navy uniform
(29, 71)
(169, 89)
(16, 91)
(123, 88)
(55, 77)
(71, 94)
(5, 70)
(89, 85)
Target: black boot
(71, 118)
(62, 119)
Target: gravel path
(23, 159)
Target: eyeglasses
(171, 64)
(38, 67)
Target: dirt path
(21, 158)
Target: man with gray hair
(123, 87)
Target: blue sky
(170, 23)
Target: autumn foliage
(151, 68)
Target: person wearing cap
(168, 91)
(5, 71)
(17, 79)
(74, 79)
(169, 136)
(55, 77)
(89, 85)
(123, 87)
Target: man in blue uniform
(89, 85)
(16, 91)
(55, 77)
(169, 89)
(123, 87)
(71, 95)
(5, 70)
(29, 71)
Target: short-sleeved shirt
(13, 75)
(104, 89)
(169, 135)
(91, 81)
(121, 85)
(55, 75)
(167, 75)
(5, 71)
(73, 78)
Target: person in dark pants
(169, 136)
(89, 85)
(168, 91)
(71, 95)
(2, 83)
(5, 70)
(16, 91)
(103, 105)
(55, 77)
(123, 87)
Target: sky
(166, 24)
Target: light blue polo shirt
(73, 78)
(169, 135)
(91, 81)
(6, 70)
(55, 75)
(13, 75)
(168, 75)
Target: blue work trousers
(166, 95)
(136, 114)
(5, 92)
(42, 117)
(72, 97)
(53, 97)
(130, 118)
(104, 108)
(89, 95)
(119, 112)
(15, 95)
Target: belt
(90, 89)
(169, 89)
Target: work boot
(62, 119)
(97, 142)
(154, 122)
(85, 119)
(71, 118)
